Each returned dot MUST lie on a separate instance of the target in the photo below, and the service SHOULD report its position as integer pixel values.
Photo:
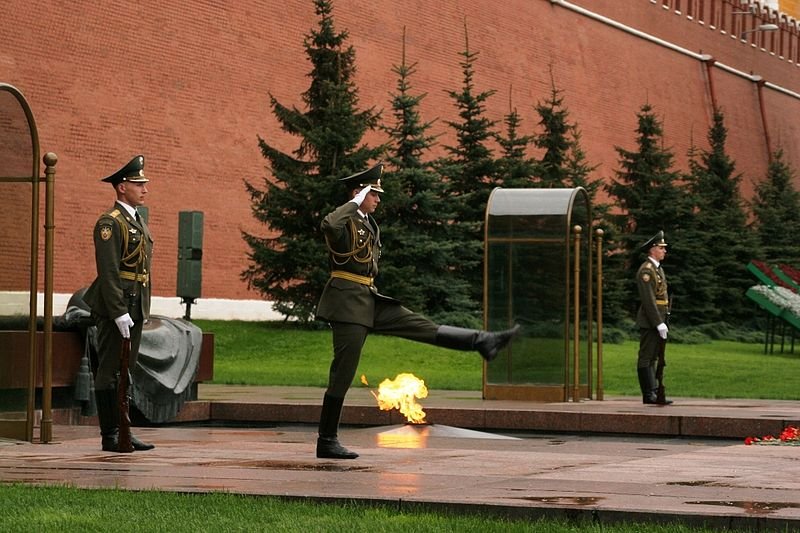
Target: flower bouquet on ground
(790, 271)
(788, 437)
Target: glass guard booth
(538, 272)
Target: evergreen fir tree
(514, 168)
(470, 169)
(415, 218)
(776, 207)
(564, 163)
(720, 243)
(649, 194)
(554, 140)
(577, 170)
(470, 172)
(289, 265)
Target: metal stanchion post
(576, 332)
(599, 235)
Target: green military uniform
(352, 305)
(651, 282)
(350, 300)
(123, 249)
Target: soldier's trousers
(109, 348)
(649, 342)
(391, 318)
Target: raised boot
(328, 446)
(487, 343)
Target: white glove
(359, 198)
(124, 323)
(662, 330)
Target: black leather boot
(487, 343)
(108, 414)
(328, 446)
(138, 445)
(646, 385)
(660, 399)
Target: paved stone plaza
(518, 471)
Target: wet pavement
(520, 471)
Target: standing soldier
(353, 306)
(120, 295)
(651, 316)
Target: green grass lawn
(67, 510)
(262, 353)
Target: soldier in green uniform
(352, 305)
(120, 295)
(652, 315)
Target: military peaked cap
(361, 179)
(655, 240)
(132, 172)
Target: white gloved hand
(662, 330)
(124, 323)
(359, 198)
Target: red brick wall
(188, 85)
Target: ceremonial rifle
(124, 443)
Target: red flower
(790, 435)
(790, 271)
(767, 271)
